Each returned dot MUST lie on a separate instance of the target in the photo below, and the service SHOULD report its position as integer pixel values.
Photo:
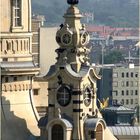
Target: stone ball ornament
(72, 2)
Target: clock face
(84, 38)
(87, 96)
(63, 96)
(66, 39)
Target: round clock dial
(84, 38)
(63, 95)
(66, 39)
(87, 96)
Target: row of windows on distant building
(127, 74)
(127, 92)
(126, 101)
(126, 84)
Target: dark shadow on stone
(13, 127)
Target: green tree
(113, 57)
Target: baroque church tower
(72, 111)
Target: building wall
(104, 85)
(15, 83)
(40, 97)
(15, 42)
(6, 16)
(47, 48)
(126, 88)
(36, 24)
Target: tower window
(127, 92)
(35, 91)
(16, 10)
(127, 74)
(92, 134)
(6, 79)
(136, 101)
(122, 74)
(136, 92)
(5, 59)
(57, 132)
(115, 74)
(15, 78)
(127, 101)
(122, 101)
(131, 74)
(127, 83)
(122, 92)
(131, 92)
(63, 96)
(131, 101)
(136, 74)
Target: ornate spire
(73, 39)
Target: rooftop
(119, 108)
(125, 130)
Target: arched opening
(99, 132)
(57, 132)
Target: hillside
(119, 13)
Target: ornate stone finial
(83, 27)
(72, 2)
(58, 113)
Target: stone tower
(72, 111)
(19, 118)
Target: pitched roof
(16, 65)
(125, 130)
(118, 108)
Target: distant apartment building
(35, 40)
(37, 23)
(121, 85)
